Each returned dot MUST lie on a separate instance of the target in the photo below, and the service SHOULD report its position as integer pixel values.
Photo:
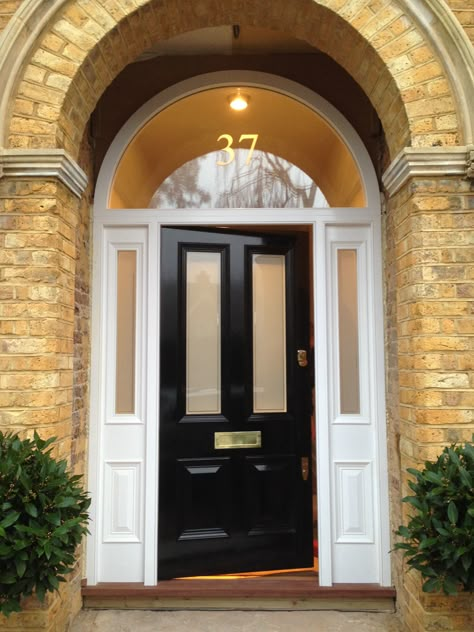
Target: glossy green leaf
(66, 502)
(465, 477)
(404, 531)
(8, 578)
(466, 561)
(53, 518)
(450, 587)
(53, 581)
(40, 591)
(10, 519)
(434, 478)
(432, 585)
(5, 549)
(31, 510)
(20, 567)
(412, 500)
(452, 513)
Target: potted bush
(440, 533)
(43, 516)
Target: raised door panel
(269, 499)
(204, 502)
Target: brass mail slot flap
(229, 440)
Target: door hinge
(304, 467)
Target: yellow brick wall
(430, 357)
(82, 306)
(38, 229)
(87, 45)
(71, 71)
(37, 256)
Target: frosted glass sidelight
(203, 333)
(349, 378)
(269, 333)
(125, 356)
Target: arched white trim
(230, 78)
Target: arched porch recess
(341, 553)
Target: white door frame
(326, 223)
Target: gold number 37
(230, 150)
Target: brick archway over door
(87, 44)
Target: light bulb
(239, 102)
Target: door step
(256, 593)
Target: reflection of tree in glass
(181, 189)
(270, 182)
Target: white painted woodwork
(118, 476)
(354, 507)
(45, 162)
(355, 490)
(351, 448)
(122, 500)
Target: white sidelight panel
(355, 412)
(119, 385)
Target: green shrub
(440, 534)
(43, 516)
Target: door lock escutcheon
(302, 357)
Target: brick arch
(89, 42)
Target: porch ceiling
(228, 40)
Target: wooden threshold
(256, 593)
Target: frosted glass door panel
(126, 308)
(348, 332)
(269, 334)
(203, 333)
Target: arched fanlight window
(200, 153)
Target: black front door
(235, 447)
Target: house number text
(230, 150)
